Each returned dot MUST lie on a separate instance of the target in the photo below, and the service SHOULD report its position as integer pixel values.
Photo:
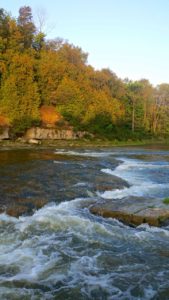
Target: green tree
(134, 99)
(26, 26)
(70, 99)
(160, 109)
(4, 30)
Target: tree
(50, 72)
(39, 41)
(146, 98)
(45, 75)
(160, 109)
(106, 80)
(70, 99)
(102, 104)
(134, 96)
(73, 55)
(20, 96)
(4, 30)
(26, 26)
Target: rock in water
(34, 141)
(132, 211)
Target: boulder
(22, 207)
(133, 211)
(34, 141)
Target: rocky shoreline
(44, 136)
(35, 134)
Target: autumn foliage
(47, 81)
(49, 116)
(4, 122)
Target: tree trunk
(133, 117)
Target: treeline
(36, 72)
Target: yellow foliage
(102, 103)
(2, 67)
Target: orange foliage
(4, 121)
(49, 115)
(2, 67)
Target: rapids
(62, 251)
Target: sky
(131, 37)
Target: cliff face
(4, 133)
(53, 134)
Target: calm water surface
(61, 251)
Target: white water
(140, 176)
(60, 247)
(40, 249)
(63, 252)
(86, 153)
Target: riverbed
(62, 251)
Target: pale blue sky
(131, 37)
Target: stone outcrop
(133, 211)
(4, 133)
(34, 142)
(37, 133)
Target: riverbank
(80, 143)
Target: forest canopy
(36, 72)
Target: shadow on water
(31, 178)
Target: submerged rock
(133, 211)
(22, 207)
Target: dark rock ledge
(22, 207)
(133, 211)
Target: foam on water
(149, 190)
(85, 153)
(80, 184)
(60, 249)
(135, 171)
(49, 248)
(140, 176)
(64, 252)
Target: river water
(62, 251)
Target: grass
(166, 201)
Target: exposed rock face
(133, 211)
(4, 133)
(38, 133)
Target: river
(62, 251)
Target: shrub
(19, 126)
(166, 201)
